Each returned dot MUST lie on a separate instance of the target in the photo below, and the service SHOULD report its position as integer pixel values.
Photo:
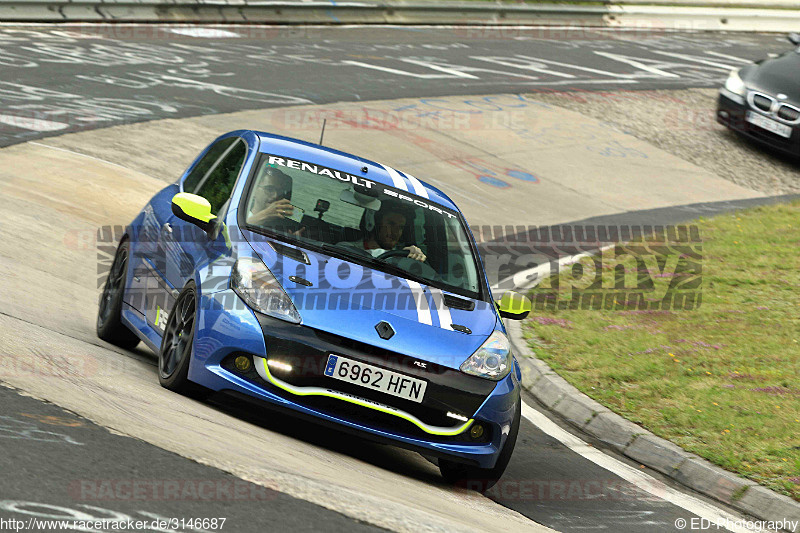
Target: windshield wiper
(374, 261)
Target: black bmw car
(762, 100)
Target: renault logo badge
(384, 329)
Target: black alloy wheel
(109, 324)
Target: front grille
(768, 137)
(762, 102)
(788, 113)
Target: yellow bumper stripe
(263, 371)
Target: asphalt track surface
(58, 81)
(57, 465)
(75, 77)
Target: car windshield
(364, 221)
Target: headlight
(256, 285)
(735, 84)
(492, 360)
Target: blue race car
(334, 287)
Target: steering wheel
(393, 253)
(413, 266)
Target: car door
(186, 247)
(146, 257)
(158, 293)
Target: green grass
(722, 380)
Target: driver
(390, 221)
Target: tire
(109, 324)
(176, 346)
(482, 479)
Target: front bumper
(731, 111)
(226, 329)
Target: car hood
(349, 300)
(777, 75)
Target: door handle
(168, 227)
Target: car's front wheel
(482, 479)
(109, 324)
(176, 344)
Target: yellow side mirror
(193, 209)
(514, 306)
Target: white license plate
(375, 378)
(768, 124)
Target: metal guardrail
(735, 15)
(749, 4)
(288, 12)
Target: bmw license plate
(768, 124)
(375, 378)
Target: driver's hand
(415, 253)
(279, 209)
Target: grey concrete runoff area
(85, 114)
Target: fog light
(242, 363)
(457, 416)
(476, 431)
(279, 365)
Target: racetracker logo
(226, 490)
(563, 490)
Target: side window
(217, 185)
(204, 165)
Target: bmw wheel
(109, 325)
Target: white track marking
(433, 66)
(215, 33)
(33, 124)
(727, 56)
(82, 155)
(397, 71)
(687, 57)
(636, 477)
(579, 67)
(636, 62)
